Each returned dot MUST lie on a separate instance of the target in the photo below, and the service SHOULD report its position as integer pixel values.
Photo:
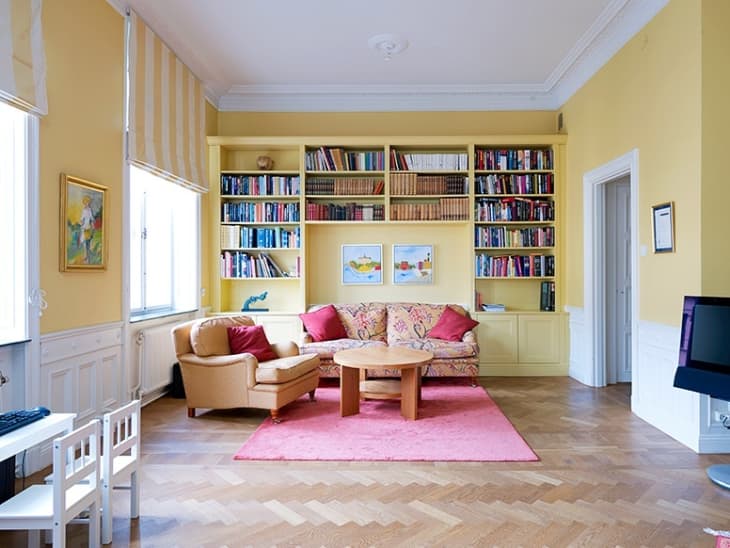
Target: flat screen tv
(704, 347)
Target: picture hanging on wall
(412, 264)
(83, 228)
(662, 217)
(362, 264)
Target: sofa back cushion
(408, 321)
(209, 337)
(363, 321)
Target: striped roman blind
(22, 58)
(166, 111)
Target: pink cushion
(451, 326)
(324, 324)
(251, 339)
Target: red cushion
(324, 324)
(251, 338)
(451, 326)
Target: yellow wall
(451, 257)
(81, 136)
(715, 125)
(211, 128)
(646, 97)
(254, 124)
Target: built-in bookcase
(494, 199)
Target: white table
(34, 433)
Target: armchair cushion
(252, 339)
(451, 326)
(286, 369)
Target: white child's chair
(75, 489)
(120, 462)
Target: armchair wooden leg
(191, 412)
(311, 395)
(275, 416)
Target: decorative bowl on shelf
(264, 162)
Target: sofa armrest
(470, 337)
(285, 349)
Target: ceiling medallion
(388, 44)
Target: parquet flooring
(605, 478)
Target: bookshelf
(493, 201)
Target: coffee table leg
(349, 391)
(409, 393)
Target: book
(493, 307)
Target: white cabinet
(279, 327)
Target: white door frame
(594, 263)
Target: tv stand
(719, 474)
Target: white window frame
(173, 306)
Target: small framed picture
(662, 217)
(362, 264)
(412, 264)
(83, 226)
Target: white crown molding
(346, 98)
(620, 21)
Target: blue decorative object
(252, 299)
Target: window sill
(159, 314)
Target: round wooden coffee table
(408, 360)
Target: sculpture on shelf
(265, 162)
(252, 299)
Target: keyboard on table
(12, 420)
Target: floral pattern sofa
(398, 324)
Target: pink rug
(455, 423)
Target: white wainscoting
(579, 367)
(683, 415)
(80, 372)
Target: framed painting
(362, 264)
(662, 217)
(412, 264)
(83, 225)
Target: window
(163, 246)
(14, 186)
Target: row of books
(512, 158)
(344, 186)
(345, 212)
(238, 264)
(260, 212)
(502, 236)
(514, 209)
(413, 161)
(514, 266)
(445, 209)
(409, 184)
(515, 183)
(547, 296)
(259, 185)
(234, 237)
(339, 159)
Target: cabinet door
(280, 328)
(539, 338)
(497, 338)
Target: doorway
(617, 249)
(594, 340)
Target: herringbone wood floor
(605, 478)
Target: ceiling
(313, 55)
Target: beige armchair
(216, 379)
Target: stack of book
(493, 307)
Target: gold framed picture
(83, 238)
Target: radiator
(156, 357)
